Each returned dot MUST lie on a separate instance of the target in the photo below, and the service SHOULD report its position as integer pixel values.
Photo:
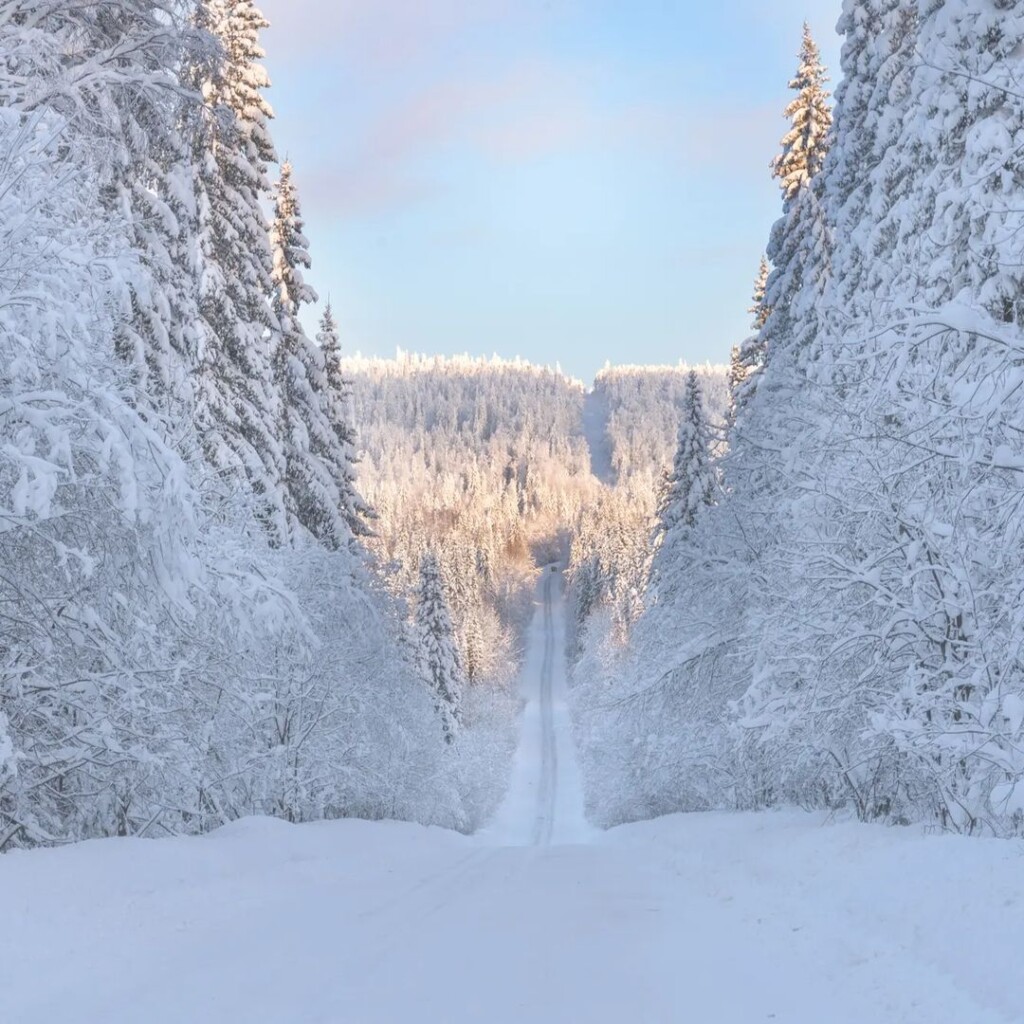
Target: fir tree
(239, 407)
(805, 144)
(437, 652)
(746, 358)
(307, 437)
(863, 172)
(799, 244)
(340, 414)
(691, 484)
(760, 309)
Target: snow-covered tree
(759, 310)
(746, 358)
(239, 407)
(691, 484)
(341, 416)
(810, 116)
(109, 71)
(98, 512)
(799, 242)
(436, 650)
(308, 439)
(689, 490)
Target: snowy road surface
(544, 804)
(700, 919)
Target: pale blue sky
(571, 181)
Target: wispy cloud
(507, 116)
(364, 190)
(413, 91)
(376, 33)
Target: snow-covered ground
(710, 919)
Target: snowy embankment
(708, 918)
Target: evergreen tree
(691, 484)
(745, 358)
(239, 407)
(437, 652)
(798, 241)
(736, 376)
(863, 172)
(760, 310)
(307, 437)
(810, 116)
(340, 414)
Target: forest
(243, 572)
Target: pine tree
(239, 407)
(356, 511)
(760, 309)
(805, 144)
(746, 358)
(307, 437)
(691, 484)
(737, 374)
(437, 652)
(798, 242)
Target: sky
(570, 181)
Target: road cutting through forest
(702, 918)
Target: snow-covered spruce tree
(811, 119)
(892, 679)
(697, 646)
(864, 174)
(691, 484)
(799, 252)
(759, 310)
(649, 746)
(307, 437)
(340, 415)
(745, 358)
(796, 242)
(798, 237)
(436, 650)
(238, 404)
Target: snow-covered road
(544, 804)
(699, 919)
